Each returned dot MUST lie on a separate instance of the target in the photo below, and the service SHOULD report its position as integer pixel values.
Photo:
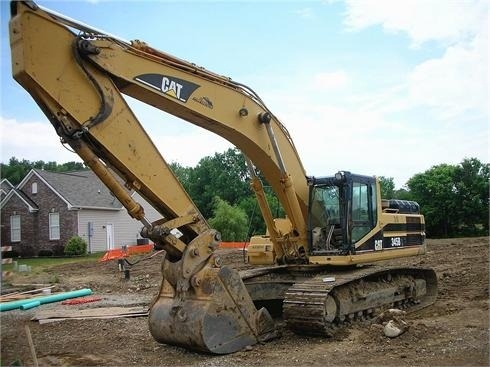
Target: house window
(54, 226)
(34, 188)
(15, 228)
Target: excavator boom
(77, 79)
(78, 76)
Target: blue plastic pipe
(7, 306)
(28, 305)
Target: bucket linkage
(203, 306)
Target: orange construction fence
(239, 245)
(119, 253)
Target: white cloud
(359, 133)
(331, 137)
(189, 149)
(33, 141)
(422, 20)
(38, 141)
(373, 133)
(454, 84)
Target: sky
(375, 87)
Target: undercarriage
(317, 301)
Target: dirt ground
(452, 332)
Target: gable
(5, 188)
(15, 193)
(33, 176)
(78, 189)
(5, 185)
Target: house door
(109, 236)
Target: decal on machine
(205, 101)
(177, 88)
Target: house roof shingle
(6, 186)
(22, 196)
(81, 189)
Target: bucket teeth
(217, 316)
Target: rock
(395, 328)
(389, 315)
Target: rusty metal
(206, 307)
(318, 305)
(214, 314)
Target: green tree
(256, 224)
(230, 221)
(472, 179)
(454, 199)
(402, 194)
(182, 173)
(224, 174)
(435, 191)
(249, 204)
(16, 169)
(387, 187)
(71, 166)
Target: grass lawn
(41, 264)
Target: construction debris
(15, 296)
(393, 322)
(79, 301)
(12, 305)
(90, 313)
(394, 328)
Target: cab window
(363, 210)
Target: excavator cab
(342, 210)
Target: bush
(45, 253)
(75, 246)
(10, 254)
(27, 250)
(58, 249)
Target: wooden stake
(31, 345)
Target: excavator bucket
(215, 314)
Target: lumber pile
(17, 296)
(47, 316)
(68, 313)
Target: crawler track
(320, 305)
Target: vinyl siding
(126, 229)
(150, 212)
(99, 218)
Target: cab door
(363, 208)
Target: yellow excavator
(318, 262)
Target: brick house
(46, 209)
(5, 187)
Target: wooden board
(45, 316)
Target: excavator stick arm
(77, 81)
